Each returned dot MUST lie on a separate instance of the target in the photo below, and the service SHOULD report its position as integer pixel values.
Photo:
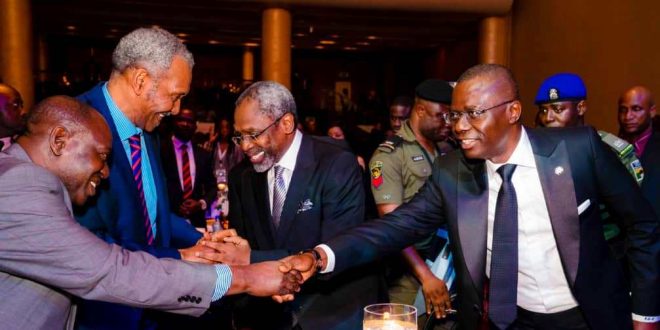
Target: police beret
(434, 90)
(561, 87)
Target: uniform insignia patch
(553, 94)
(376, 169)
(417, 158)
(637, 170)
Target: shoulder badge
(390, 144)
(626, 154)
(376, 170)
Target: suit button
(180, 299)
(199, 300)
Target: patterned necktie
(185, 170)
(279, 194)
(136, 161)
(504, 258)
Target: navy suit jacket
(115, 216)
(325, 198)
(457, 195)
(651, 163)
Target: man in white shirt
(533, 194)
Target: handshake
(279, 279)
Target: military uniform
(399, 168)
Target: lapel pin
(559, 170)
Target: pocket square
(305, 205)
(584, 206)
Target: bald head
(11, 111)
(66, 112)
(636, 110)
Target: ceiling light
(71, 27)
(334, 36)
(214, 42)
(182, 35)
(319, 47)
(299, 34)
(372, 37)
(251, 44)
(362, 43)
(327, 42)
(350, 48)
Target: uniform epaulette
(390, 144)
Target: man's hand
(271, 278)
(233, 251)
(304, 263)
(189, 207)
(195, 252)
(436, 296)
(219, 236)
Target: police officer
(399, 167)
(562, 102)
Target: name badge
(418, 158)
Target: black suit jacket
(325, 197)
(651, 163)
(457, 195)
(204, 188)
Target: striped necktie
(136, 164)
(279, 194)
(185, 170)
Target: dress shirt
(288, 162)
(191, 159)
(542, 284)
(126, 129)
(222, 282)
(6, 142)
(641, 140)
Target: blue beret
(561, 87)
(434, 90)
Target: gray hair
(274, 99)
(150, 48)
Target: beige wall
(612, 44)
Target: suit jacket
(205, 186)
(457, 195)
(651, 163)
(115, 216)
(325, 197)
(46, 257)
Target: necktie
(136, 164)
(185, 170)
(504, 258)
(279, 194)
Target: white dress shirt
(542, 284)
(179, 164)
(288, 162)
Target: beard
(435, 134)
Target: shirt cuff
(222, 282)
(330, 265)
(645, 319)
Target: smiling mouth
(467, 143)
(164, 114)
(256, 158)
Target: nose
(176, 107)
(461, 125)
(105, 171)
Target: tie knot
(506, 171)
(278, 171)
(184, 146)
(134, 140)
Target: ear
(515, 111)
(289, 123)
(419, 109)
(57, 140)
(652, 111)
(582, 108)
(138, 79)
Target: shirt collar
(288, 160)
(125, 128)
(178, 143)
(522, 155)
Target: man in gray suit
(46, 256)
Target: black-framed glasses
(250, 138)
(454, 116)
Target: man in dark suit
(152, 71)
(636, 112)
(11, 114)
(521, 209)
(295, 191)
(189, 171)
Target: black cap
(434, 90)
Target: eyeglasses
(250, 138)
(454, 116)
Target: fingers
(219, 236)
(236, 240)
(211, 257)
(283, 298)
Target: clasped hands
(262, 278)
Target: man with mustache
(46, 257)
(151, 73)
(294, 191)
(521, 207)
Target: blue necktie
(136, 165)
(504, 258)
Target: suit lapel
(295, 194)
(257, 187)
(555, 173)
(472, 215)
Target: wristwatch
(317, 258)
